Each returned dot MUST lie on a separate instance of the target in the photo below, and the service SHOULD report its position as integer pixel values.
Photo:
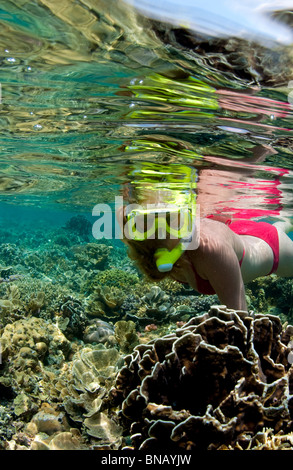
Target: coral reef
(159, 307)
(113, 277)
(126, 336)
(153, 307)
(71, 318)
(93, 367)
(94, 370)
(9, 254)
(70, 311)
(27, 346)
(36, 303)
(27, 296)
(105, 302)
(91, 256)
(272, 294)
(267, 440)
(157, 303)
(99, 331)
(48, 430)
(79, 225)
(212, 384)
(11, 304)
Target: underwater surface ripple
(83, 103)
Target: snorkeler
(227, 253)
(225, 257)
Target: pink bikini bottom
(262, 230)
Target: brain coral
(212, 384)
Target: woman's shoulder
(214, 229)
(216, 236)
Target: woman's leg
(285, 225)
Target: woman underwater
(224, 257)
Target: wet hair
(143, 254)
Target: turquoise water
(94, 100)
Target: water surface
(91, 93)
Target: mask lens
(174, 223)
(180, 223)
(143, 223)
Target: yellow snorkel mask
(161, 223)
(144, 224)
(174, 219)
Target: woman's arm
(220, 266)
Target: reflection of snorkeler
(226, 187)
(225, 257)
(226, 183)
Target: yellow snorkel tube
(165, 259)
